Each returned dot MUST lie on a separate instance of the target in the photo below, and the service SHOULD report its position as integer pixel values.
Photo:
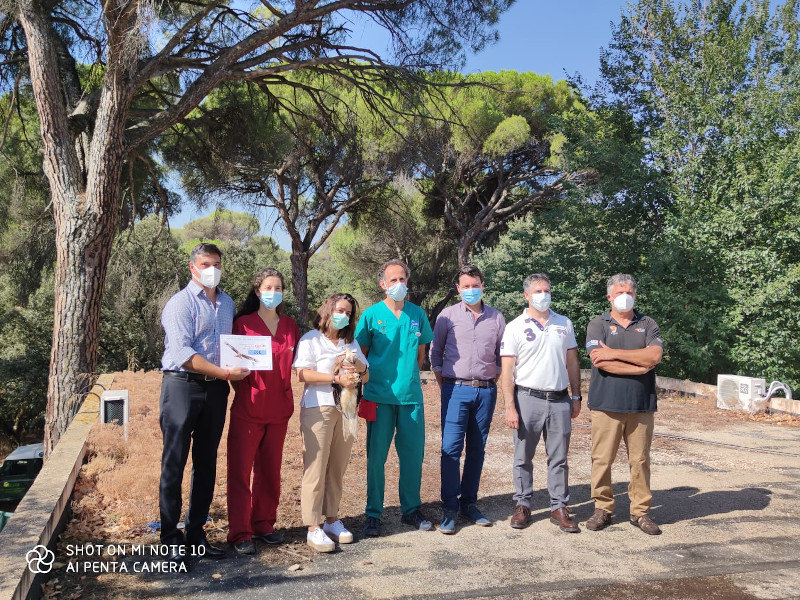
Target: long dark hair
(322, 321)
(253, 300)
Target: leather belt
(478, 383)
(542, 394)
(190, 376)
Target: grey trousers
(551, 419)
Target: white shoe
(338, 532)
(319, 541)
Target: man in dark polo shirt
(624, 346)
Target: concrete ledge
(683, 386)
(784, 406)
(40, 513)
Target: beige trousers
(325, 458)
(608, 429)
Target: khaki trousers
(325, 458)
(608, 428)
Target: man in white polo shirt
(539, 359)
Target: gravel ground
(730, 518)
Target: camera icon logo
(40, 559)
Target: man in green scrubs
(393, 335)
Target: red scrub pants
(254, 449)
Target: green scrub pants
(408, 421)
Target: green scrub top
(393, 344)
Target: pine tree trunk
(299, 260)
(85, 209)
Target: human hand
(576, 409)
(512, 418)
(601, 354)
(348, 379)
(238, 373)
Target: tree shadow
(685, 503)
(670, 506)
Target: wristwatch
(578, 398)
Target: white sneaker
(319, 541)
(338, 532)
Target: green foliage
(221, 225)
(489, 160)
(510, 135)
(395, 226)
(579, 246)
(24, 364)
(27, 248)
(146, 268)
(711, 90)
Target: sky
(555, 38)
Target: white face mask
(210, 276)
(397, 292)
(541, 301)
(623, 302)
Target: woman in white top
(326, 451)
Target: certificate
(252, 352)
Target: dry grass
(120, 481)
(117, 491)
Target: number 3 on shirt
(529, 335)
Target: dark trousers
(192, 415)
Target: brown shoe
(646, 524)
(599, 520)
(565, 523)
(521, 517)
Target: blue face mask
(271, 299)
(397, 292)
(340, 320)
(472, 295)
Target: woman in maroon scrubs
(260, 414)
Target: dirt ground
(117, 497)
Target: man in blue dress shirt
(194, 400)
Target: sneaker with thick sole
(472, 514)
(372, 527)
(417, 521)
(338, 532)
(599, 520)
(319, 541)
(273, 538)
(448, 524)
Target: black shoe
(204, 549)
(245, 547)
(372, 526)
(176, 556)
(417, 521)
(273, 538)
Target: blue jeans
(466, 414)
